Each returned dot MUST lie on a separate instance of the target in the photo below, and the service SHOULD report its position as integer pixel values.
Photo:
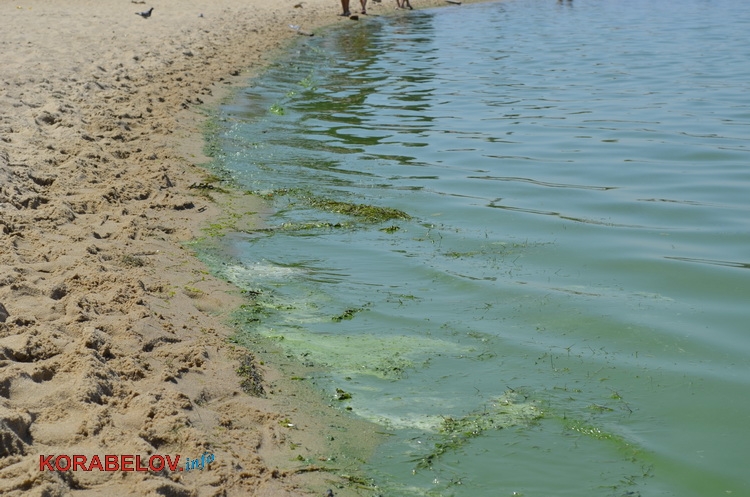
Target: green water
(564, 311)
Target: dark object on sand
(146, 13)
(252, 379)
(4, 314)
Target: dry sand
(112, 336)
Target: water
(566, 311)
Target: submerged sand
(113, 338)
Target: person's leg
(364, 6)
(345, 8)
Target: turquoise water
(565, 311)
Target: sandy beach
(113, 339)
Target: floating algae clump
(370, 213)
(364, 212)
(509, 410)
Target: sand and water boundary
(113, 337)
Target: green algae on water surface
(347, 314)
(366, 212)
(509, 410)
(386, 356)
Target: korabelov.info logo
(124, 462)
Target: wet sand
(113, 337)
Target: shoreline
(113, 336)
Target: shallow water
(565, 312)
